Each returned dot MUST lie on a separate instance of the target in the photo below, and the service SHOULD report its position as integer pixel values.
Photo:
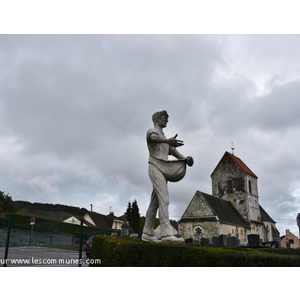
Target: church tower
(232, 180)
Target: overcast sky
(75, 109)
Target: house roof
(222, 209)
(103, 221)
(238, 161)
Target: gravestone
(233, 242)
(253, 240)
(223, 240)
(215, 241)
(189, 241)
(124, 230)
(274, 244)
(204, 242)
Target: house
(107, 222)
(174, 226)
(93, 219)
(289, 240)
(233, 209)
(73, 220)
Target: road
(32, 256)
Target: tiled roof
(239, 162)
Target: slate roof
(222, 209)
(103, 221)
(239, 162)
(265, 216)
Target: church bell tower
(232, 180)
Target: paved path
(41, 257)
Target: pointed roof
(221, 208)
(238, 161)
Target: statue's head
(156, 116)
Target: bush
(131, 252)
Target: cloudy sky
(75, 109)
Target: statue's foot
(171, 239)
(149, 238)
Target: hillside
(58, 212)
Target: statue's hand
(175, 143)
(189, 161)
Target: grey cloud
(74, 111)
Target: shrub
(131, 252)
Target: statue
(161, 170)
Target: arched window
(250, 189)
(229, 187)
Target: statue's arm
(173, 142)
(177, 154)
(173, 151)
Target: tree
(128, 212)
(133, 216)
(7, 205)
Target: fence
(19, 231)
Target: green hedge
(132, 252)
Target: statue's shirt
(173, 170)
(158, 150)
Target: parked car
(88, 246)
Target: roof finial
(232, 149)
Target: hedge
(132, 252)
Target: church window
(229, 187)
(250, 189)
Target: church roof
(222, 209)
(265, 216)
(239, 162)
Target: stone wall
(229, 170)
(210, 229)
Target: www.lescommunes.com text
(49, 261)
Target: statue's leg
(162, 194)
(151, 215)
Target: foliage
(131, 252)
(49, 210)
(133, 217)
(128, 212)
(7, 205)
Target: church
(232, 210)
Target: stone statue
(161, 170)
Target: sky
(75, 109)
